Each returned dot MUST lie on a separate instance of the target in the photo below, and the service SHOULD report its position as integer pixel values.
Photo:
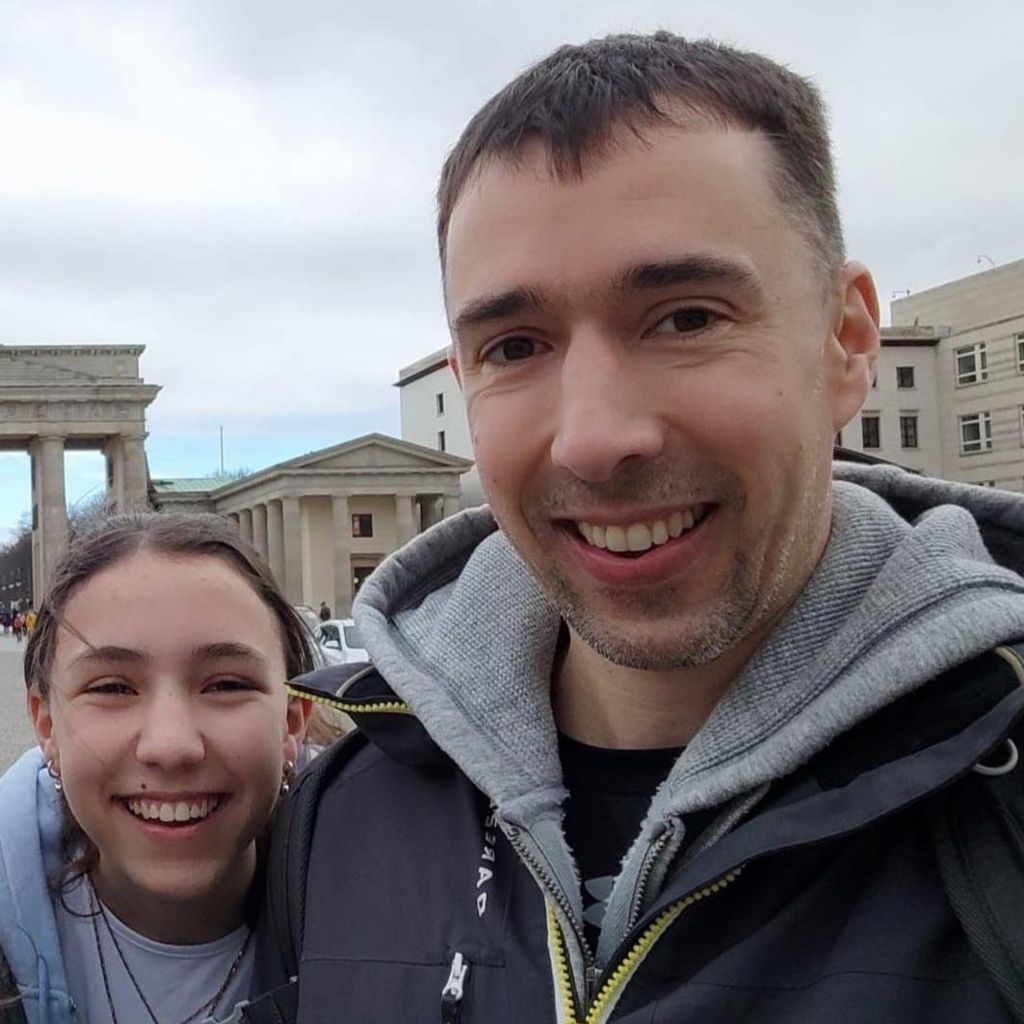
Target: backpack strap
(977, 830)
(284, 909)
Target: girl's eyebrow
(227, 649)
(109, 652)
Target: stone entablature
(55, 397)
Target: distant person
(19, 626)
(325, 611)
(128, 838)
(30, 620)
(688, 724)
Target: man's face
(653, 378)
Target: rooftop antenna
(221, 451)
(992, 262)
(900, 292)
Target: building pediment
(377, 451)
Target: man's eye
(511, 350)
(686, 321)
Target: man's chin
(660, 646)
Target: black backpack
(976, 826)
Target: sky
(246, 187)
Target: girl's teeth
(179, 811)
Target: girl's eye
(112, 686)
(228, 686)
(511, 350)
(689, 320)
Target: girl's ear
(296, 723)
(42, 722)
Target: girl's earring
(287, 776)
(55, 775)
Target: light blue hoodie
(30, 830)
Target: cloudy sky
(246, 186)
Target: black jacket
(826, 903)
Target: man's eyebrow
(110, 653)
(688, 270)
(496, 307)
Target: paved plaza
(15, 732)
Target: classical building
(53, 398)
(948, 398)
(434, 415)
(325, 520)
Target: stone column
(450, 505)
(136, 475)
(245, 524)
(113, 450)
(405, 518)
(51, 511)
(259, 529)
(428, 510)
(342, 532)
(275, 540)
(291, 514)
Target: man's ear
(42, 722)
(453, 364)
(296, 722)
(855, 342)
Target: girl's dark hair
(115, 538)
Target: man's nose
(606, 412)
(170, 734)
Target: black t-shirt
(609, 794)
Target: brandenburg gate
(56, 398)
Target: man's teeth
(179, 810)
(642, 536)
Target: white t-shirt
(176, 980)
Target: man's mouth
(638, 537)
(185, 811)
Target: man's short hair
(573, 100)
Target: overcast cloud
(246, 187)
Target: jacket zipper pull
(451, 994)
(592, 978)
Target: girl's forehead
(168, 605)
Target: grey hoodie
(907, 588)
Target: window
(1020, 352)
(362, 524)
(908, 430)
(439, 403)
(441, 441)
(1020, 416)
(904, 377)
(975, 433)
(839, 439)
(870, 432)
(971, 364)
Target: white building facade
(434, 415)
(954, 359)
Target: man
(669, 733)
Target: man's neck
(609, 705)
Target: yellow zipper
(614, 983)
(384, 707)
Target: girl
(129, 840)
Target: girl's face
(168, 721)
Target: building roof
(219, 486)
(422, 367)
(913, 336)
(188, 485)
